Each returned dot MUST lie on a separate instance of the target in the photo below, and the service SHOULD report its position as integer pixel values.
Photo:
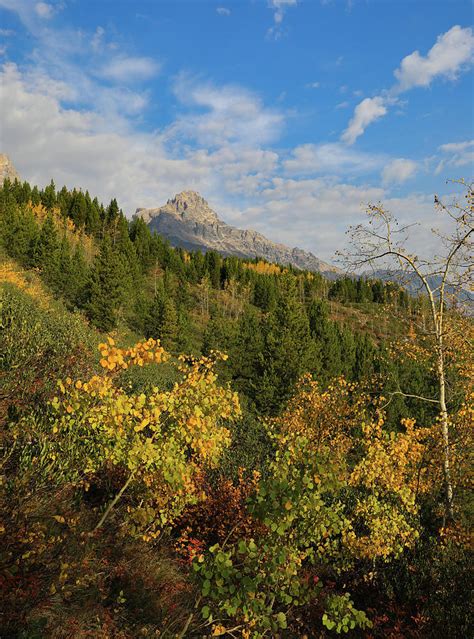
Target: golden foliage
(327, 418)
(11, 273)
(162, 438)
(264, 268)
(65, 225)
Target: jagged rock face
(188, 221)
(7, 170)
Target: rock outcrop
(188, 221)
(7, 170)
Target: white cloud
(333, 159)
(233, 114)
(398, 171)
(84, 148)
(91, 149)
(125, 69)
(44, 10)
(453, 51)
(319, 211)
(223, 11)
(342, 105)
(98, 39)
(279, 7)
(29, 12)
(456, 154)
(312, 85)
(457, 147)
(5, 33)
(366, 112)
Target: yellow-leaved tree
(158, 442)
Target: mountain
(7, 170)
(188, 221)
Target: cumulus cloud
(232, 114)
(398, 171)
(223, 11)
(80, 148)
(318, 209)
(303, 199)
(366, 112)
(452, 53)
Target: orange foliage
(221, 518)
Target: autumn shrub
(158, 441)
(222, 517)
(339, 499)
(37, 346)
(98, 470)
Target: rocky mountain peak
(191, 205)
(7, 170)
(187, 220)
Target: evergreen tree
(169, 324)
(106, 292)
(48, 196)
(288, 350)
(79, 278)
(46, 251)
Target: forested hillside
(196, 445)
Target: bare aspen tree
(445, 279)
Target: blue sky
(287, 115)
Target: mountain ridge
(188, 221)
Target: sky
(288, 116)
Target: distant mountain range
(188, 221)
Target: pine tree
(106, 292)
(78, 208)
(46, 251)
(79, 278)
(48, 196)
(169, 324)
(154, 318)
(288, 350)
